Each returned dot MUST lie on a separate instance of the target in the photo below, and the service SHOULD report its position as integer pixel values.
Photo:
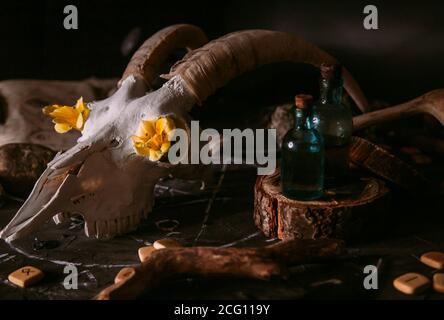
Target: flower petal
(160, 125)
(155, 155)
(62, 127)
(164, 124)
(80, 105)
(82, 108)
(146, 129)
(49, 109)
(67, 118)
(165, 147)
(170, 134)
(85, 113)
(79, 122)
(137, 139)
(142, 151)
(152, 137)
(65, 115)
(155, 142)
(64, 112)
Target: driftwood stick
(429, 144)
(431, 103)
(255, 263)
(377, 160)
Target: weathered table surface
(220, 215)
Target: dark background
(401, 60)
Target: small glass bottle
(333, 120)
(330, 117)
(302, 164)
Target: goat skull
(102, 178)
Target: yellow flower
(67, 118)
(152, 138)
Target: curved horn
(206, 69)
(147, 60)
(431, 103)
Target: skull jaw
(112, 201)
(35, 210)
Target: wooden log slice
(345, 212)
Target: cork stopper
(302, 101)
(331, 71)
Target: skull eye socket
(115, 142)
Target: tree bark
(255, 263)
(344, 211)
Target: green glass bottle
(330, 116)
(333, 120)
(302, 164)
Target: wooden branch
(429, 144)
(372, 157)
(431, 103)
(255, 263)
(425, 143)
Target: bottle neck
(331, 92)
(301, 119)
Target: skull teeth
(90, 228)
(61, 217)
(104, 229)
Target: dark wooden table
(221, 215)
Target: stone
(166, 243)
(26, 276)
(433, 259)
(411, 283)
(438, 282)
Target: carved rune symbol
(27, 271)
